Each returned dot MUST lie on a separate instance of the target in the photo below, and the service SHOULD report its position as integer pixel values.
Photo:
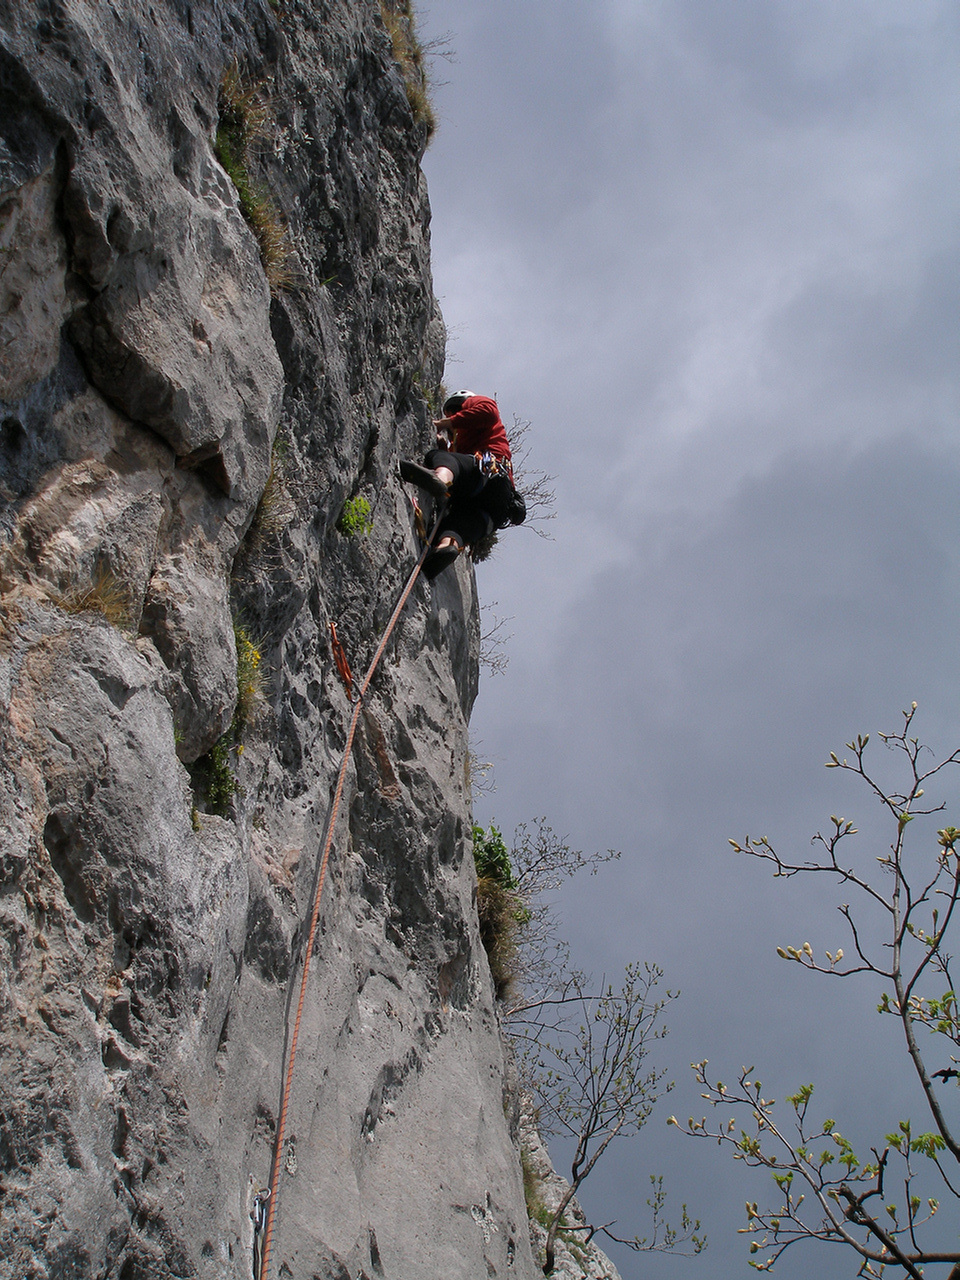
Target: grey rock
(33, 298)
(153, 940)
(187, 616)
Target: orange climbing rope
(274, 1193)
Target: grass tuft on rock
(105, 595)
(400, 20)
(243, 124)
(214, 774)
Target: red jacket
(478, 428)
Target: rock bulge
(176, 447)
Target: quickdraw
(258, 1215)
(418, 520)
(340, 658)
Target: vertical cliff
(177, 444)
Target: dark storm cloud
(632, 217)
(825, 589)
(696, 697)
(709, 248)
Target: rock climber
(473, 469)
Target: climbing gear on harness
(258, 1215)
(320, 878)
(340, 658)
(423, 478)
(491, 465)
(453, 404)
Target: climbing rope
(273, 1195)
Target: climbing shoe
(438, 560)
(423, 478)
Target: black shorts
(478, 503)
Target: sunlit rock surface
(176, 447)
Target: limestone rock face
(176, 449)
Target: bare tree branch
(842, 1197)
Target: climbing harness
(273, 1194)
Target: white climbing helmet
(454, 403)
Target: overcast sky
(709, 250)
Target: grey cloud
(708, 247)
(828, 589)
(696, 698)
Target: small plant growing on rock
(244, 121)
(433, 397)
(537, 1211)
(215, 771)
(219, 781)
(491, 858)
(250, 680)
(275, 508)
(356, 520)
(105, 595)
(500, 907)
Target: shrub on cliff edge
(398, 18)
